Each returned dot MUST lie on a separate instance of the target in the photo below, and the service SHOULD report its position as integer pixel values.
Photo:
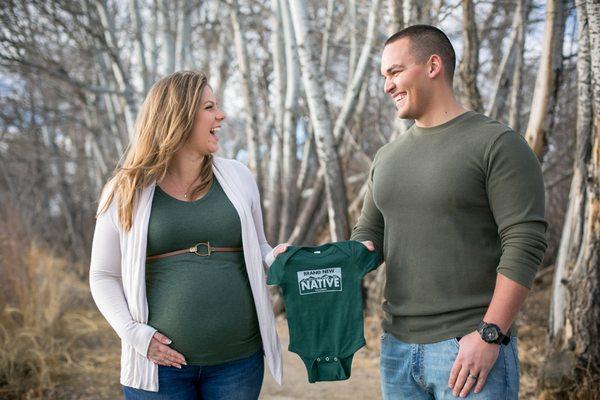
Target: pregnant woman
(179, 256)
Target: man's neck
(440, 112)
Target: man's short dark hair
(426, 40)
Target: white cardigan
(118, 264)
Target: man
(456, 207)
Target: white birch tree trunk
(417, 12)
(222, 63)
(274, 183)
(396, 9)
(169, 31)
(469, 65)
(120, 75)
(350, 100)
(184, 37)
(574, 351)
(397, 16)
(154, 31)
(250, 114)
(352, 28)
(523, 7)
(141, 46)
(308, 154)
(290, 196)
(358, 76)
(505, 72)
(544, 96)
(326, 36)
(326, 144)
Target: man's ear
(435, 66)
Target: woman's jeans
(234, 380)
(422, 371)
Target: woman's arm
(107, 286)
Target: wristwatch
(491, 333)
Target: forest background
(300, 84)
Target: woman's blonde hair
(163, 126)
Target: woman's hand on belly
(160, 353)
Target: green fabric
(323, 300)
(449, 207)
(203, 304)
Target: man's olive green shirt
(449, 207)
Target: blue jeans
(234, 380)
(421, 371)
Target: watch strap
(502, 338)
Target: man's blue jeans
(235, 380)
(421, 371)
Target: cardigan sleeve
(266, 250)
(107, 286)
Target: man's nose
(388, 86)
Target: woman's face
(204, 138)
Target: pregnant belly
(205, 307)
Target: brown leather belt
(209, 250)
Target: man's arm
(369, 227)
(477, 357)
(515, 191)
(506, 302)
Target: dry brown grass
(47, 320)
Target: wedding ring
(474, 377)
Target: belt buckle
(208, 249)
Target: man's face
(406, 82)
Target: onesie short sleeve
(364, 259)
(275, 272)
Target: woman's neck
(185, 166)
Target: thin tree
(289, 173)
(574, 351)
(469, 65)
(541, 117)
(522, 11)
(326, 145)
(250, 113)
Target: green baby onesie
(323, 298)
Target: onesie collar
(294, 249)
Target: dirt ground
(363, 383)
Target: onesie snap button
(319, 359)
(334, 358)
(326, 358)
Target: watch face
(490, 334)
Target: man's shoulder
(495, 133)
(487, 128)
